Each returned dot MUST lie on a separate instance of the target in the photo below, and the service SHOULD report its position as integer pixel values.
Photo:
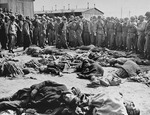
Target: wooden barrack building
(25, 7)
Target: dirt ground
(137, 92)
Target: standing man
(141, 35)
(20, 24)
(147, 37)
(94, 30)
(72, 27)
(42, 32)
(51, 32)
(118, 34)
(58, 21)
(79, 31)
(62, 29)
(100, 32)
(36, 23)
(7, 22)
(12, 33)
(111, 33)
(124, 33)
(131, 37)
(26, 34)
(3, 36)
(86, 32)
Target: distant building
(86, 13)
(24, 7)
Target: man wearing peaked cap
(147, 36)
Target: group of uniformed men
(132, 35)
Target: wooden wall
(24, 7)
(91, 12)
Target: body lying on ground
(88, 69)
(127, 70)
(42, 97)
(52, 98)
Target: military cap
(58, 18)
(44, 15)
(112, 18)
(132, 18)
(47, 18)
(141, 17)
(43, 18)
(99, 17)
(64, 18)
(108, 18)
(51, 19)
(126, 19)
(20, 17)
(27, 18)
(81, 16)
(7, 18)
(39, 17)
(147, 14)
(12, 17)
(94, 17)
(71, 17)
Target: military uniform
(124, 35)
(3, 36)
(36, 30)
(12, 34)
(56, 32)
(118, 35)
(100, 35)
(131, 37)
(42, 34)
(79, 33)
(26, 34)
(141, 37)
(20, 37)
(111, 34)
(51, 33)
(62, 28)
(86, 33)
(72, 27)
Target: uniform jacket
(141, 27)
(26, 28)
(147, 28)
(118, 27)
(100, 29)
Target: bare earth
(137, 92)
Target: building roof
(66, 11)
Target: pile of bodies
(88, 62)
(52, 98)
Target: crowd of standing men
(128, 34)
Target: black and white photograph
(74, 57)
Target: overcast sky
(109, 7)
